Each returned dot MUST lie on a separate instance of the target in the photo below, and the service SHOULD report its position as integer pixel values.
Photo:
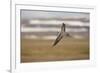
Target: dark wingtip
(63, 24)
(53, 46)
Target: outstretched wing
(68, 35)
(59, 37)
(63, 28)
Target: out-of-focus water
(49, 31)
(47, 24)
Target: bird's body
(58, 39)
(61, 34)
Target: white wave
(39, 37)
(78, 36)
(49, 37)
(30, 37)
(39, 29)
(57, 22)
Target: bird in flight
(61, 34)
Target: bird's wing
(59, 37)
(63, 28)
(68, 35)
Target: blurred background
(47, 24)
(39, 29)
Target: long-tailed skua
(61, 34)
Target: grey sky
(32, 14)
